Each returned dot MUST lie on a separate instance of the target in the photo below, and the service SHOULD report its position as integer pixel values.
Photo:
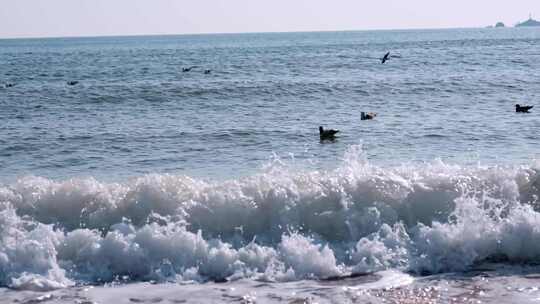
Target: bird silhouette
(188, 69)
(523, 109)
(367, 116)
(385, 58)
(327, 134)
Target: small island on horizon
(529, 22)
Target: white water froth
(279, 225)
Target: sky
(59, 18)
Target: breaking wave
(278, 225)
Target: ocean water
(147, 184)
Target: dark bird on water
(72, 83)
(207, 71)
(188, 69)
(9, 85)
(367, 116)
(327, 134)
(523, 109)
(385, 58)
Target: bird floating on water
(327, 134)
(188, 69)
(523, 109)
(72, 82)
(367, 116)
(207, 71)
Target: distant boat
(530, 22)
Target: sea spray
(28, 255)
(281, 224)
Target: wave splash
(278, 225)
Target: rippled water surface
(146, 184)
(450, 94)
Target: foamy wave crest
(278, 225)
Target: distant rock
(499, 24)
(530, 22)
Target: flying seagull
(385, 58)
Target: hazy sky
(38, 18)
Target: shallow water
(506, 285)
(142, 174)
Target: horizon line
(234, 33)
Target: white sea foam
(278, 225)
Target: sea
(147, 183)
